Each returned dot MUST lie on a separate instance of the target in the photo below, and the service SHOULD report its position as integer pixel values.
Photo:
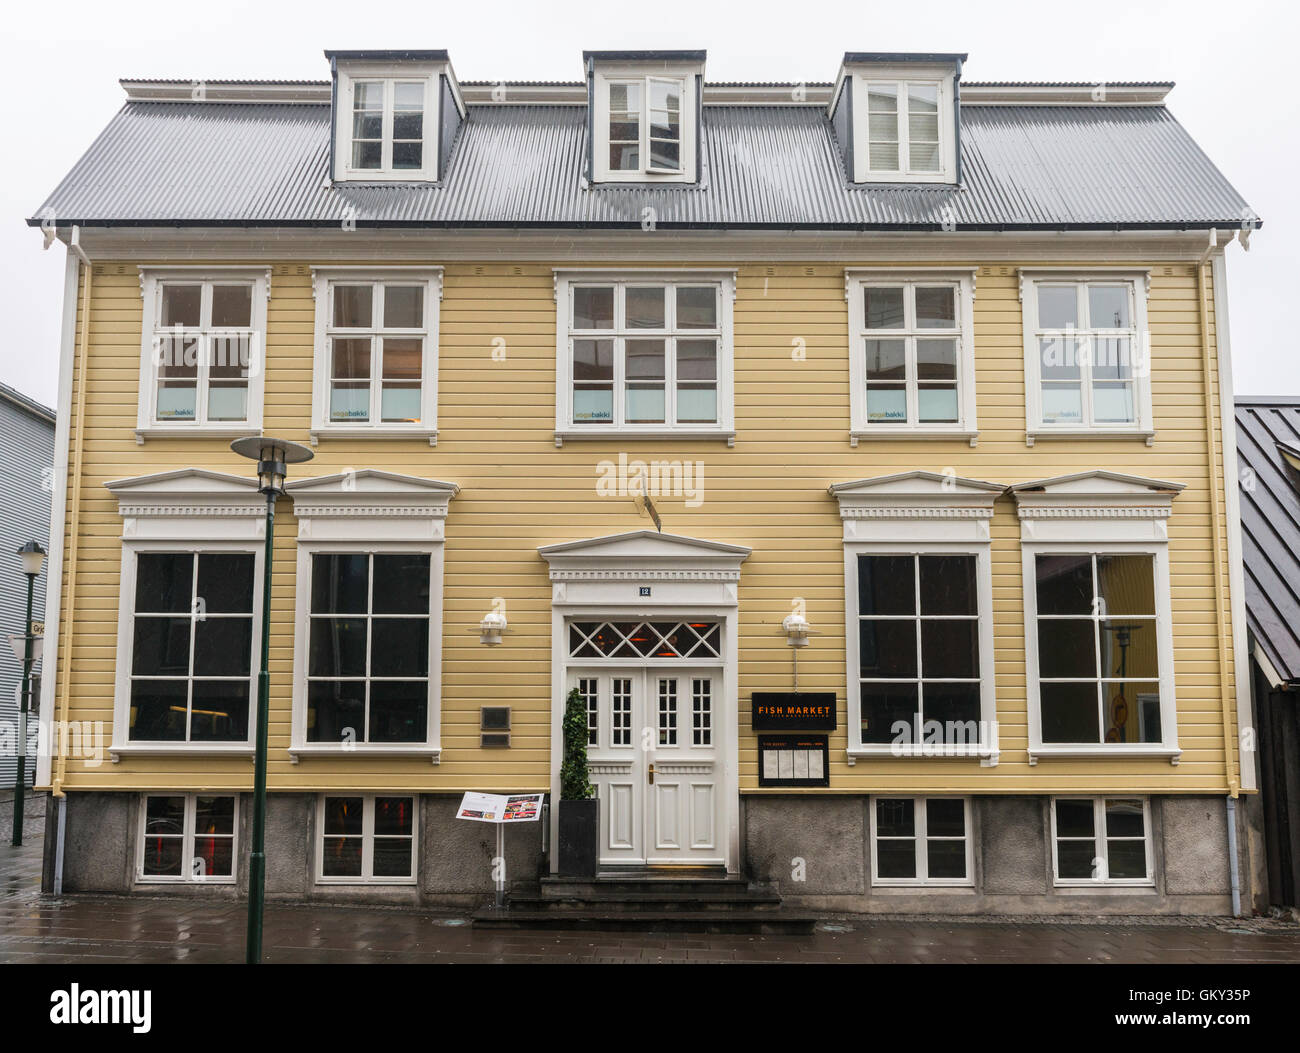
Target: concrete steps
(664, 900)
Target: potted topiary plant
(579, 807)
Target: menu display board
(793, 760)
(500, 808)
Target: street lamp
(273, 456)
(33, 558)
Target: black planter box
(579, 837)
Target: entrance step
(650, 900)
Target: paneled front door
(652, 747)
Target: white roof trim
(1112, 483)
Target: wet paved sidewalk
(137, 929)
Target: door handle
(650, 773)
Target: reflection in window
(1101, 839)
(376, 342)
(1087, 344)
(204, 347)
(368, 838)
(368, 648)
(188, 838)
(191, 647)
(918, 647)
(920, 839)
(912, 346)
(1098, 648)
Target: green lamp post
(33, 558)
(273, 456)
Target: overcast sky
(1233, 63)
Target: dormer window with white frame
(388, 115)
(644, 119)
(904, 118)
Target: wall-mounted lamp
(796, 630)
(490, 628)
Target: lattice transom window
(667, 639)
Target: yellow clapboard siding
(496, 424)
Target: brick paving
(118, 929)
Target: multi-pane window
(589, 689)
(918, 647)
(621, 712)
(911, 340)
(920, 840)
(1098, 648)
(1101, 840)
(388, 125)
(1087, 345)
(645, 354)
(188, 838)
(668, 639)
(204, 350)
(701, 712)
(667, 707)
(645, 125)
(903, 127)
(376, 339)
(367, 838)
(368, 651)
(191, 647)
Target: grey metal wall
(26, 459)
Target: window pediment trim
(644, 554)
(893, 507)
(371, 504)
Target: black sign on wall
(793, 710)
(793, 760)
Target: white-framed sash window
(376, 368)
(202, 354)
(1087, 353)
(904, 128)
(921, 841)
(386, 122)
(644, 124)
(1101, 841)
(912, 364)
(187, 838)
(367, 839)
(644, 354)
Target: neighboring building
(881, 347)
(1268, 437)
(26, 468)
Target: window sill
(896, 888)
(178, 749)
(196, 431)
(376, 883)
(433, 753)
(1171, 753)
(1111, 888)
(886, 432)
(154, 881)
(363, 431)
(727, 435)
(1032, 435)
(986, 755)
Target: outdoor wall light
(796, 630)
(33, 557)
(490, 628)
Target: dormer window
(644, 115)
(896, 117)
(396, 114)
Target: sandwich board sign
(500, 808)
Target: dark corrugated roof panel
(1270, 522)
(1067, 167)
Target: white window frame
(920, 836)
(186, 876)
(1099, 838)
(1139, 282)
(152, 279)
(378, 513)
(349, 74)
(324, 279)
(856, 282)
(940, 77)
(644, 75)
(367, 840)
(567, 279)
(919, 514)
(1159, 554)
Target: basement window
(187, 838)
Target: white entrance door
(653, 739)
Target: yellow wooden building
(899, 400)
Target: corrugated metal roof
(1270, 522)
(1070, 167)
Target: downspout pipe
(1233, 866)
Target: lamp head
(33, 557)
(273, 456)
